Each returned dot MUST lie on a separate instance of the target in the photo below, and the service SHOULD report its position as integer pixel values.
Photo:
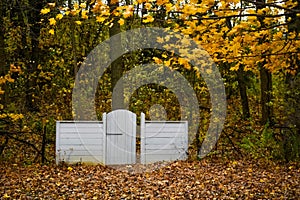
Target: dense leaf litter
(205, 179)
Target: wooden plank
(167, 129)
(86, 129)
(165, 141)
(174, 131)
(165, 152)
(143, 139)
(81, 124)
(85, 135)
(80, 148)
(166, 147)
(57, 142)
(81, 153)
(163, 122)
(161, 134)
(104, 137)
(82, 140)
(166, 124)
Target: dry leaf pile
(204, 179)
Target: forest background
(255, 45)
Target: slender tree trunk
(265, 78)
(243, 92)
(293, 81)
(242, 84)
(2, 44)
(73, 42)
(266, 96)
(33, 53)
(117, 65)
(4, 67)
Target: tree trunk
(33, 54)
(292, 99)
(117, 65)
(266, 96)
(265, 78)
(243, 92)
(2, 44)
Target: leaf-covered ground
(206, 179)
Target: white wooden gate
(121, 137)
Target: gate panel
(80, 141)
(163, 140)
(121, 137)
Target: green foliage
(272, 145)
(262, 145)
(291, 145)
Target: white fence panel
(80, 141)
(163, 140)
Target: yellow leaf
(189, 9)
(84, 14)
(6, 196)
(121, 21)
(157, 60)
(70, 168)
(148, 19)
(82, 5)
(59, 16)
(78, 22)
(168, 7)
(234, 67)
(76, 6)
(117, 13)
(162, 2)
(160, 40)
(261, 180)
(167, 62)
(51, 31)
(128, 12)
(52, 21)
(100, 19)
(260, 12)
(114, 1)
(148, 6)
(45, 11)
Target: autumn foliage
(255, 45)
